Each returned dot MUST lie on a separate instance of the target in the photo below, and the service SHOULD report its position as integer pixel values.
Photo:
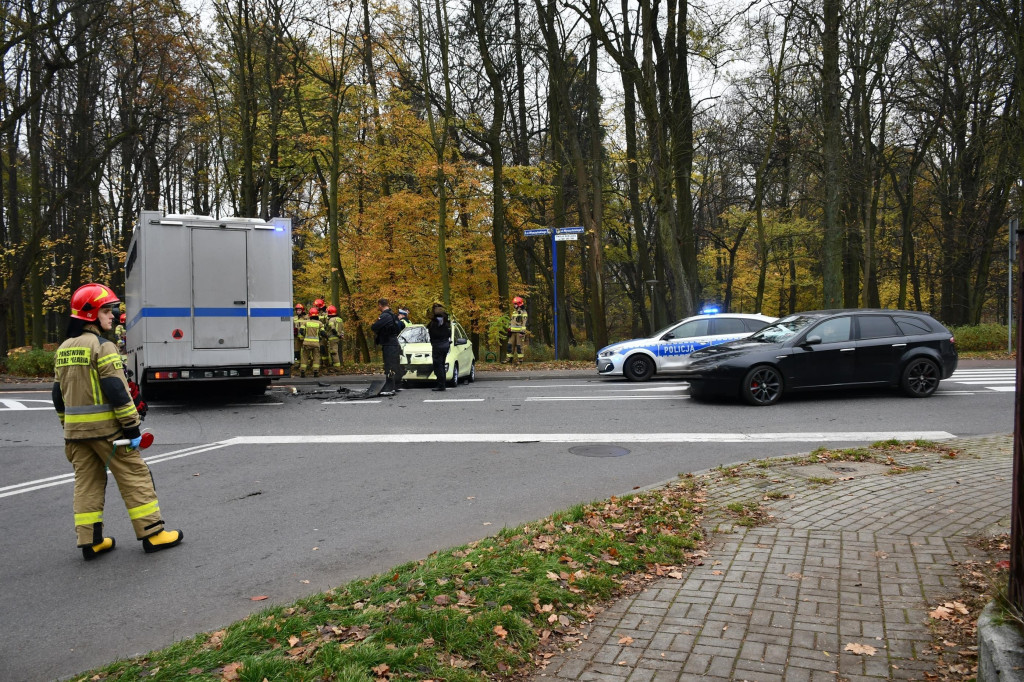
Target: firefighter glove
(134, 444)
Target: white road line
(944, 392)
(1003, 389)
(249, 404)
(984, 381)
(550, 399)
(41, 483)
(454, 400)
(551, 385)
(351, 402)
(19, 406)
(789, 437)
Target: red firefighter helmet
(299, 307)
(89, 298)
(313, 312)
(331, 310)
(319, 303)
(517, 301)
(123, 318)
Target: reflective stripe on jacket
(80, 364)
(518, 323)
(310, 332)
(334, 326)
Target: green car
(416, 355)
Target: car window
(832, 331)
(414, 335)
(753, 325)
(728, 325)
(688, 330)
(459, 333)
(877, 327)
(784, 328)
(912, 326)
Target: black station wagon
(825, 349)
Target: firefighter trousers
(332, 346)
(517, 341)
(134, 480)
(310, 356)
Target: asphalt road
(286, 494)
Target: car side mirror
(461, 342)
(669, 336)
(811, 341)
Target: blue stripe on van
(208, 312)
(220, 312)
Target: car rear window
(415, 335)
(729, 325)
(690, 329)
(877, 327)
(913, 326)
(754, 325)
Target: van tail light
(952, 339)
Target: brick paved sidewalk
(860, 561)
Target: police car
(640, 359)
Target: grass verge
(492, 609)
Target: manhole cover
(599, 451)
(842, 470)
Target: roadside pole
(1015, 586)
(558, 234)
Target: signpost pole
(558, 234)
(554, 285)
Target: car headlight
(607, 353)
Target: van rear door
(220, 288)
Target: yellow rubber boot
(165, 539)
(90, 552)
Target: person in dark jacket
(440, 330)
(385, 334)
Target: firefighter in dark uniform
(334, 336)
(92, 399)
(385, 334)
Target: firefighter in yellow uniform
(311, 330)
(297, 319)
(517, 331)
(95, 407)
(334, 336)
(119, 332)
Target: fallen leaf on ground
(259, 598)
(230, 671)
(626, 639)
(500, 631)
(860, 649)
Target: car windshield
(414, 335)
(784, 328)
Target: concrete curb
(1000, 648)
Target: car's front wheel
(455, 376)
(638, 368)
(920, 378)
(472, 373)
(762, 386)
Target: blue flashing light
(710, 310)
(278, 229)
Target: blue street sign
(536, 232)
(569, 230)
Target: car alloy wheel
(472, 373)
(762, 386)
(920, 378)
(638, 368)
(455, 376)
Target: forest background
(768, 157)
